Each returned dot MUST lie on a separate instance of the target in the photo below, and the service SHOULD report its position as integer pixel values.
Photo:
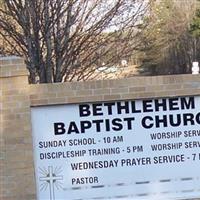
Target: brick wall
(16, 163)
(106, 90)
(17, 96)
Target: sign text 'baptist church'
(137, 149)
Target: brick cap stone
(9, 57)
(11, 60)
(12, 66)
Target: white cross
(51, 178)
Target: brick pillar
(16, 158)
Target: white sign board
(145, 149)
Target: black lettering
(161, 120)
(84, 110)
(117, 126)
(162, 104)
(72, 128)
(97, 109)
(147, 106)
(107, 121)
(188, 117)
(40, 145)
(98, 124)
(145, 124)
(172, 120)
(85, 125)
(109, 106)
(198, 118)
(121, 107)
(173, 104)
(187, 104)
(129, 122)
(59, 128)
(133, 107)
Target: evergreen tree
(195, 32)
(169, 47)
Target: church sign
(136, 149)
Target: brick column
(16, 158)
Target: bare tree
(63, 40)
